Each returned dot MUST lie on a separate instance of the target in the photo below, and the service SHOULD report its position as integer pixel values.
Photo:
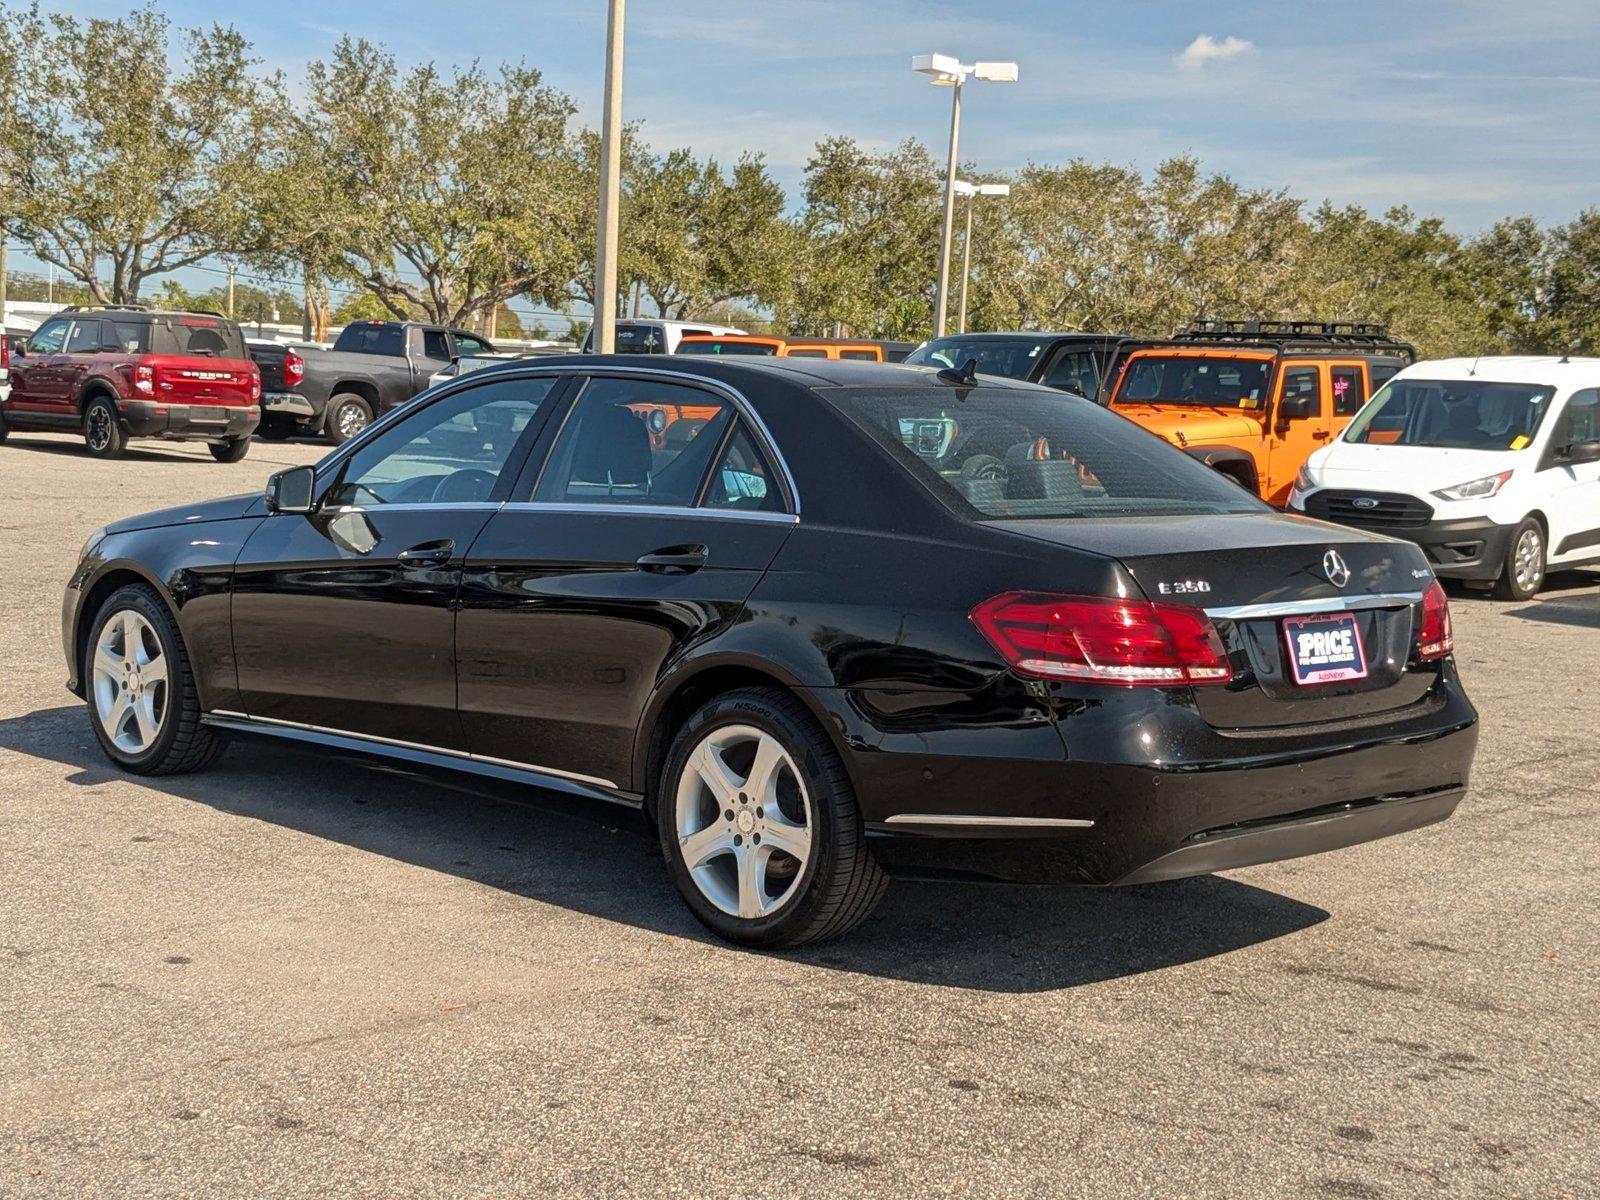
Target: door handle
(1321, 435)
(433, 553)
(672, 560)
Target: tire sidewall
(115, 439)
(141, 601)
(749, 709)
(345, 400)
(1509, 586)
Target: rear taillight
(144, 379)
(255, 384)
(1128, 643)
(1434, 639)
(5, 351)
(294, 368)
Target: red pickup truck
(122, 371)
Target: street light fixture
(944, 70)
(972, 191)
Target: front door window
(453, 451)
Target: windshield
(1207, 382)
(1452, 414)
(1013, 357)
(718, 346)
(1006, 453)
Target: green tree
(1574, 286)
(461, 185)
(121, 159)
(867, 243)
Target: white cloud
(1205, 49)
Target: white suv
(1492, 465)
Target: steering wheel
(464, 486)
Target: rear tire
(102, 429)
(272, 430)
(755, 764)
(348, 415)
(1522, 574)
(230, 451)
(140, 690)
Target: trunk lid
(1251, 573)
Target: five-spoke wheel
(759, 823)
(139, 687)
(130, 685)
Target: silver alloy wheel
(130, 684)
(99, 427)
(351, 420)
(743, 820)
(1528, 564)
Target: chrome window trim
(650, 510)
(973, 821)
(739, 400)
(1296, 608)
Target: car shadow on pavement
(1582, 611)
(592, 858)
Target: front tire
(230, 451)
(759, 824)
(348, 415)
(140, 689)
(1522, 575)
(102, 429)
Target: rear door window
(743, 479)
(634, 441)
(1349, 394)
(435, 345)
(84, 338)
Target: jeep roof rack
(1299, 336)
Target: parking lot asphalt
(296, 975)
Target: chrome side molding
(442, 756)
(976, 822)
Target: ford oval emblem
(1334, 568)
(1364, 502)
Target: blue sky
(1469, 109)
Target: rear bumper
(211, 422)
(1231, 802)
(287, 404)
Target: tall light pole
(946, 71)
(972, 191)
(605, 253)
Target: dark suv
(123, 371)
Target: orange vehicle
(1254, 399)
(773, 346)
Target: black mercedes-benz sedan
(819, 621)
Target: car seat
(612, 455)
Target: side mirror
(1582, 452)
(1297, 408)
(290, 491)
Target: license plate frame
(1332, 660)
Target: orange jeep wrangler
(1254, 399)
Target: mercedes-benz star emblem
(1334, 568)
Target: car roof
(807, 372)
(1547, 369)
(1036, 335)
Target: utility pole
(605, 256)
(3, 249)
(230, 291)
